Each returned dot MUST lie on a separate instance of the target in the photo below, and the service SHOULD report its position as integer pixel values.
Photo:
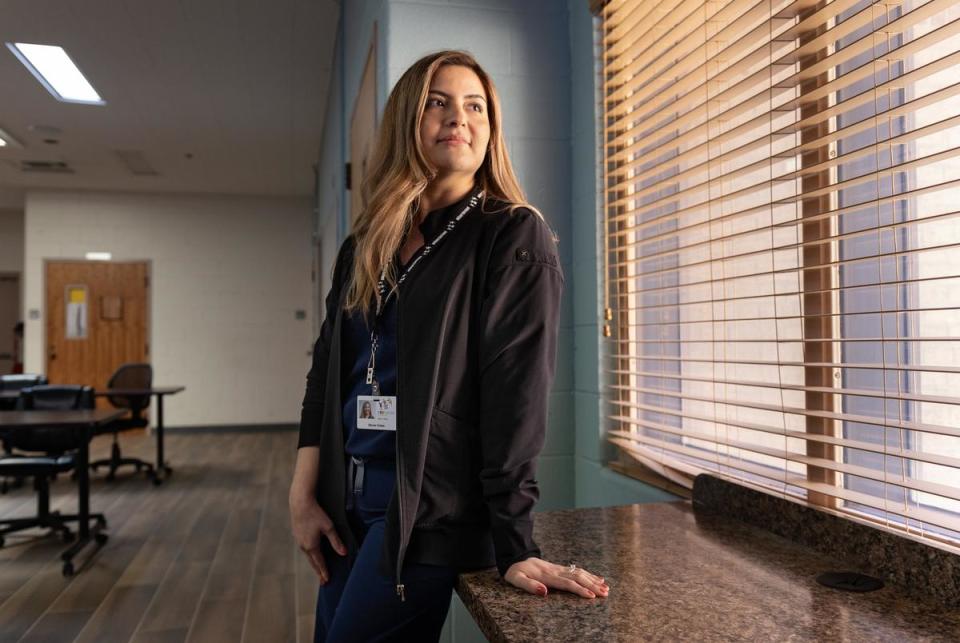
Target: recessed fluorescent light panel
(57, 72)
(99, 256)
(8, 141)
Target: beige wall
(229, 273)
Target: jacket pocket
(447, 470)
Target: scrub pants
(358, 603)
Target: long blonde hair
(400, 172)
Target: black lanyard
(382, 283)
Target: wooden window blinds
(782, 249)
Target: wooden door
(96, 319)
(363, 131)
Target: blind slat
(942, 490)
(691, 236)
(879, 449)
(838, 390)
(749, 145)
(791, 270)
(932, 368)
(764, 140)
(639, 406)
(950, 431)
(761, 295)
(765, 185)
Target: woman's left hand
(535, 576)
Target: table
(162, 469)
(83, 420)
(676, 574)
(8, 399)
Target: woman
(444, 307)
(365, 411)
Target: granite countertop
(676, 574)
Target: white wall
(11, 240)
(228, 274)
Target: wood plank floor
(205, 557)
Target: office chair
(15, 382)
(18, 382)
(57, 447)
(51, 397)
(137, 376)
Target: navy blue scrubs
(358, 603)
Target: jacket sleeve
(311, 415)
(519, 322)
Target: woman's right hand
(311, 525)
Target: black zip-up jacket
(477, 337)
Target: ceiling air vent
(134, 161)
(46, 167)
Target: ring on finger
(571, 568)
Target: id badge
(377, 412)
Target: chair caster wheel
(101, 522)
(68, 569)
(157, 481)
(66, 536)
(101, 538)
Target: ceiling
(218, 96)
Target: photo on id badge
(377, 412)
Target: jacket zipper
(400, 588)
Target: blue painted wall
(594, 484)
(525, 48)
(358, 22)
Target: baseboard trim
(231, 428)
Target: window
(782, 212)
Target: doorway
(9, 318)
(97, 319)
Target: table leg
(84, 533)
(162, 470)
(83, 489)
